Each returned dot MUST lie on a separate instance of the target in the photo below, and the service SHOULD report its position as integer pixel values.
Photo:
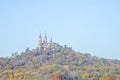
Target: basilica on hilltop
(44, 44)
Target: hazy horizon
(88, 26)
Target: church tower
(40, 42)
(45, 43)
(45, 39)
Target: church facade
(43, 43)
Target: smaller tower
(40, 42)
(51, 43)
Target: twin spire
(42, 43)
(45, 38)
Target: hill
(57, 62)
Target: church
(43, 43)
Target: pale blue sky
(89, 26)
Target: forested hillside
(57, 63)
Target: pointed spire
(45, 39)
(40, 37)
(40, 42)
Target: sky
(88, 26)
